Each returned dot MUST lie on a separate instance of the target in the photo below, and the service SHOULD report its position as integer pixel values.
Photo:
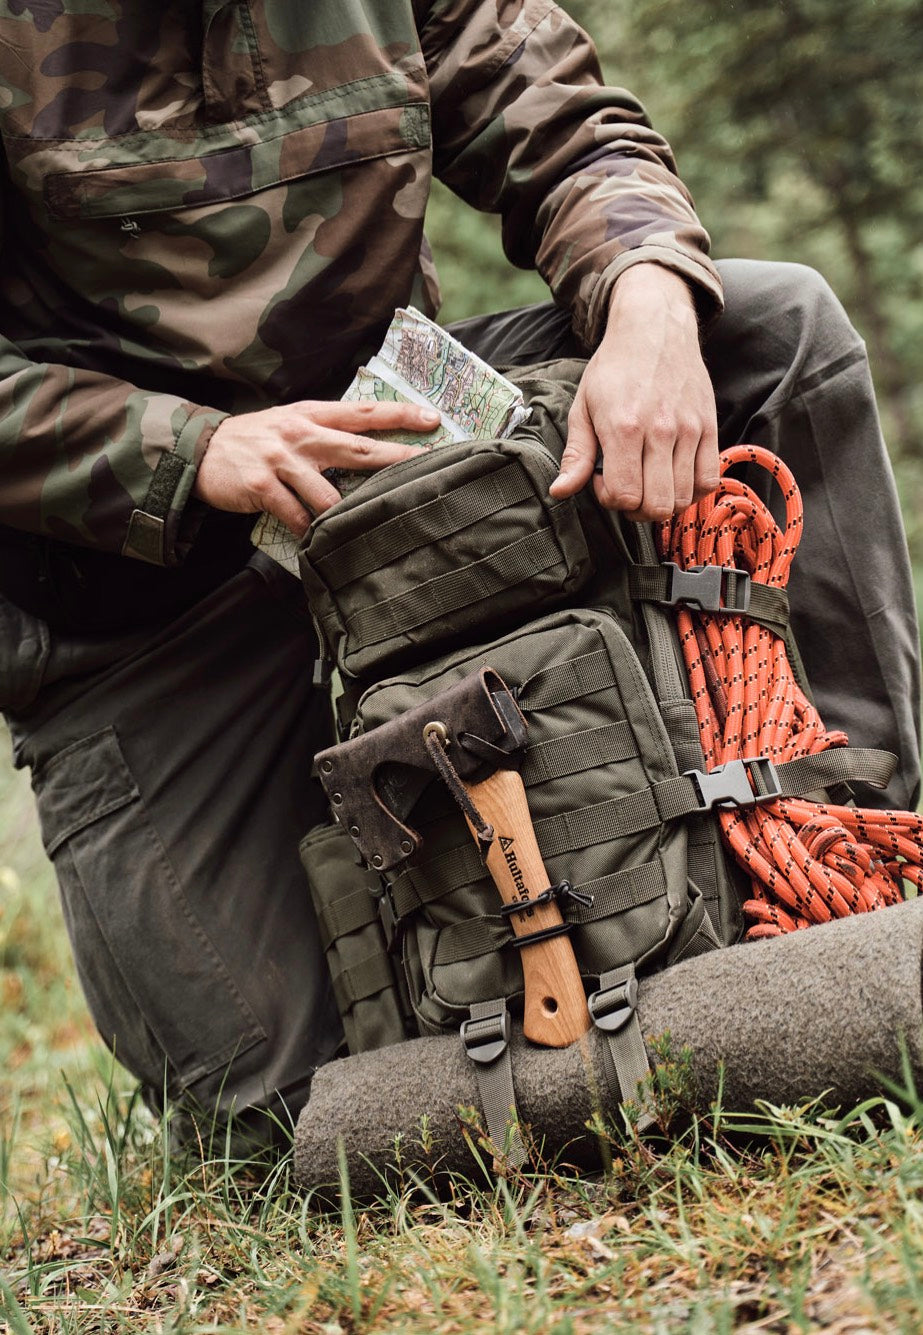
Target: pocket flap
(75, 795)
(236, 170)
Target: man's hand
(646, 401)
(273, 460)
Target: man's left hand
(646, 402)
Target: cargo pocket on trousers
(110, 861)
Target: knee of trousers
(793, 310)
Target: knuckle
(262, 487)
(665, 425)
(629, 423)
(274, 456)
(291, 430)
(618, 498)
(361, 448)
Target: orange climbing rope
(808, 861)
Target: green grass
(785, 1222)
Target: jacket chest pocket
(317, 208)
(84, 182)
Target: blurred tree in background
(798, 127)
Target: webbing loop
(485, 1037)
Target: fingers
(369, 415)
(707, 470)
(325, 435)
(274, 459)
(579, 457)
(341, 449)
(286, 506)
(656, 466)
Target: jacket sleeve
(89, 459)
(524, 126)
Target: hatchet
(472, 735)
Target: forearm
(524, 126)
(89, 459)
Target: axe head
(484, 730)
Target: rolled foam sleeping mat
(828, 1011)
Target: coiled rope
(807, 861)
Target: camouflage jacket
(210, 208)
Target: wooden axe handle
(555, 1009)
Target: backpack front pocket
(433, 551)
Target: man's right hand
(274, 459)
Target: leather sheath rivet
(337, 799)
(378, 860)
(406, 846)
(354, 831)
(327, 766)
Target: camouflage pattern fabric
(213, 208)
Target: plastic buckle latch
(709, 588)
(738, 783)
(612, 1007)
(487, 1038)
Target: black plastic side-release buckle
(738, 783)
(487, 1037)
(709, 588)
(612, 1007)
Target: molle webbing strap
(361, 980)
(578, 751)
(567, 681)
(838, 764)
(486, 1037)
(613, 894)
(768, 606)
(614, 1011)
(634, 813)
(388, 542)
(349, 913)
(619, 891)
(528, 556)
(679, 796)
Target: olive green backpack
(457, 559)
